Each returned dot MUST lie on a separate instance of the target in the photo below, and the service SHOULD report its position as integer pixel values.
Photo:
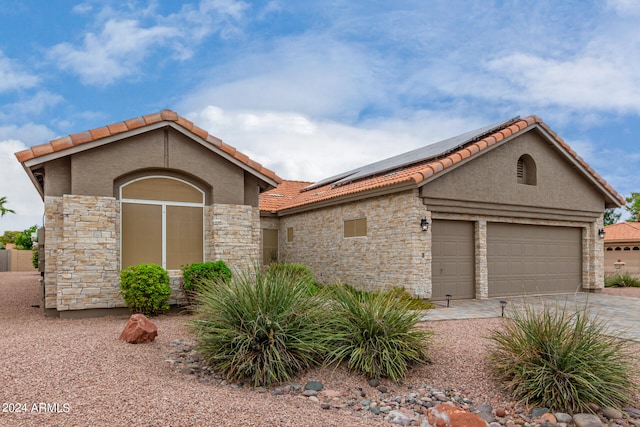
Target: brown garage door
(452, 266)
(531, 259)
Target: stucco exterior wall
(489, 182)
(395, 252)
(624, 257)
(159, 149)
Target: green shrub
(376, 334)
(622, 280)
(34, 257)
(145, 288)
(198, 272)
(260, 326)
(562, 361)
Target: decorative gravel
(76, 372)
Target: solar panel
(429, 152)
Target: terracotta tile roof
(622, 231)
(273, 200)
(414, 175)
(78, 139)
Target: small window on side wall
(526, 170)
(355, 227)
(290, 234)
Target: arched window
(161, 222)
(526, 170)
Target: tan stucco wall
(489, 182)
(58, 177)
(629, 259)
(395, 251)
(158, 149)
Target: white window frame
(164, 204)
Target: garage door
(530, 259)
(452, 266)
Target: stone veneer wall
(88, 255)
(233, 235)
(82, 268)
(53, 240)
(395, 252)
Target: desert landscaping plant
(376, 334)
(198, 273)
(622, 280)
(562, 360)
(145, 288)
(262, 327)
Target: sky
(316, 87)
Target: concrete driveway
(621, 313)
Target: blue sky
(293, 83)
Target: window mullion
(164, 235)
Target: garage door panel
(453, 265)
(540, 259)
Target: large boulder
(446, 415)
(139, 329)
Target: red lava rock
(139, 329)
(445, 415)
(500, 412)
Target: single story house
(622, 248)
(502, 210)
(154, 189)
(508, 209)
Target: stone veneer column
(235, 235)
(53, 239)
(593, 256)
(481, 264)
(88, 256)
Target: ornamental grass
(562, 360)
(375, 334)
(260, 327)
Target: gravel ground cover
(76, 372)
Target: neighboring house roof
(622, 232)
(77, 142)
(417, 167)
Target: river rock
(587, 420)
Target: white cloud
(312, 74)
(34, 105)
(625, 7)
(15, 185)
(116, 52)
(29, 133)
(300, 148)
(125, 39)
(12, 77)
